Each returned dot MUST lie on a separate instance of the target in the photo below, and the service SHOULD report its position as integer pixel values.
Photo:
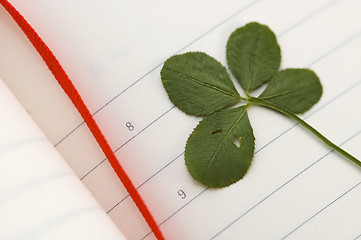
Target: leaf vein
(223, 140)
(253, 57)
(280, 94)
(189, 78)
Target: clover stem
(306, 126)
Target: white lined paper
(321, 51)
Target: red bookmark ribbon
(67, 85)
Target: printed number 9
(182, 194)
(129, 126)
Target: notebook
(113, 51)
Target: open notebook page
(40, 196)
(296, 187)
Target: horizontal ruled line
(321, 210)
(164, 167)
(177, 211)
(143, 129)
(311, 15)
(359, 236)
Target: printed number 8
(129, 126)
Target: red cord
(64, 81)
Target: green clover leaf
(296, 90)
(198, 84)
(253, 55)
(220, 149)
